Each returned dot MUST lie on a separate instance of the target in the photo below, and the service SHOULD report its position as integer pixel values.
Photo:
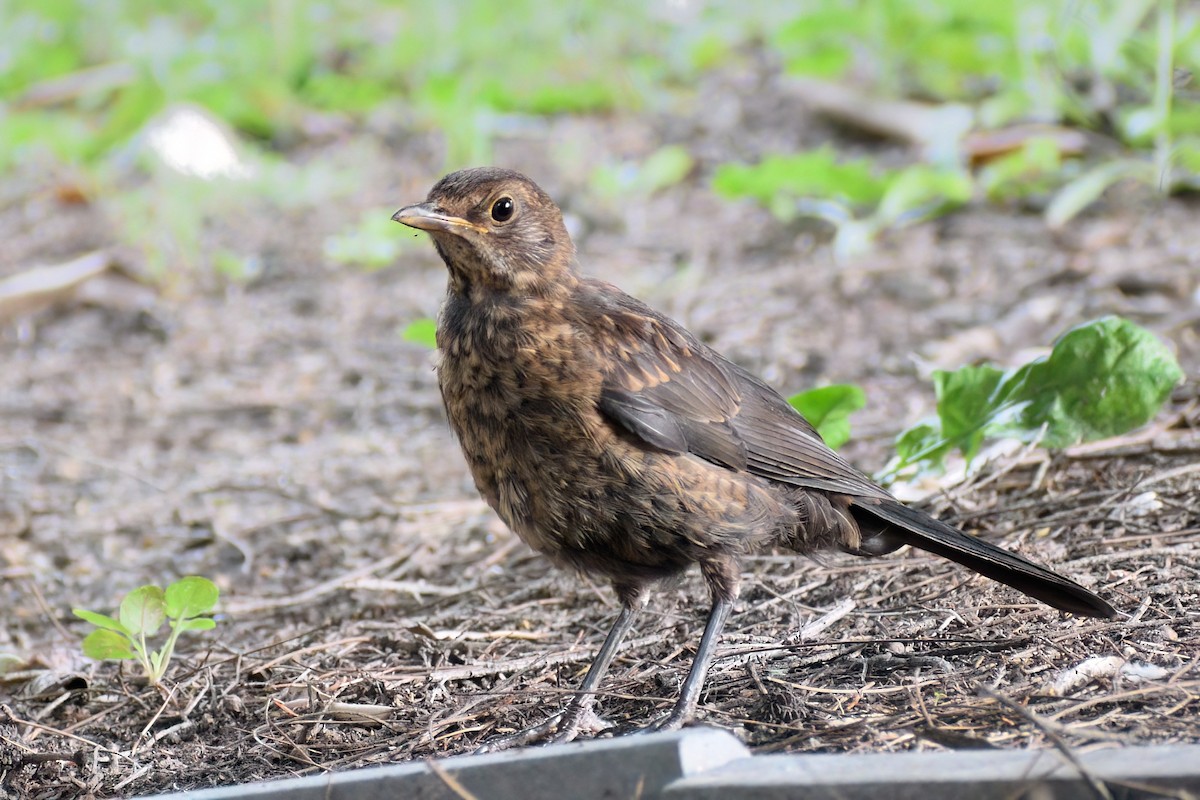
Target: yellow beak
(424, 217)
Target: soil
(279, 437)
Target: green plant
(1108, 65)
(142, 613)
(78, 89)
(858, 197)
(1168, 167)
(1101, 379)
(828, 408)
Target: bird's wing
(679, 396)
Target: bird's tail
(905, 525)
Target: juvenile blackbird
(614, 442)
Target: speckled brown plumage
(611, 440)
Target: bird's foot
(561, 728)
(671, 722)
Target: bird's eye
(502, 209)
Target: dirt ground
(280, 438)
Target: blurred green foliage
(1105, 65)
(1058, 60)
(260, 65)
(372, 244)
(421, 331)
(859, 198)
(79, 80)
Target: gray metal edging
(707, 764)
(621, 769)
(974, 774)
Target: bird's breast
(521, 397)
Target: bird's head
(496, 230)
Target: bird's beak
(427, 218)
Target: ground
(280, 438)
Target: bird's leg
(723, 578)
(581, 704)
(689, 696)
(566, 723)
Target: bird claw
(561, 728)
(671, 722)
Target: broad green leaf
(107, 645)
(1101, 379)
(820, 40)
(143, 610)
(99, 620)
(421, 331)
(828, 408)
(191, 597)
(198, 624)
(969, 400)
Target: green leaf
(922, 442)
(1101, 379)
(970, 400)
(660, 170)
(921, 191)
(828, 408)
(816, 174)
(421, 331)
(199, 624)
(191, 597)
(1028, 171)
(664, 168)
(99, 620)
(107, 645)
(1088, 187)
(143, 610)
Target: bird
(613, 441)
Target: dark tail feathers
(922, 531)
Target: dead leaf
(93, 278)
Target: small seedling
(141, 614)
